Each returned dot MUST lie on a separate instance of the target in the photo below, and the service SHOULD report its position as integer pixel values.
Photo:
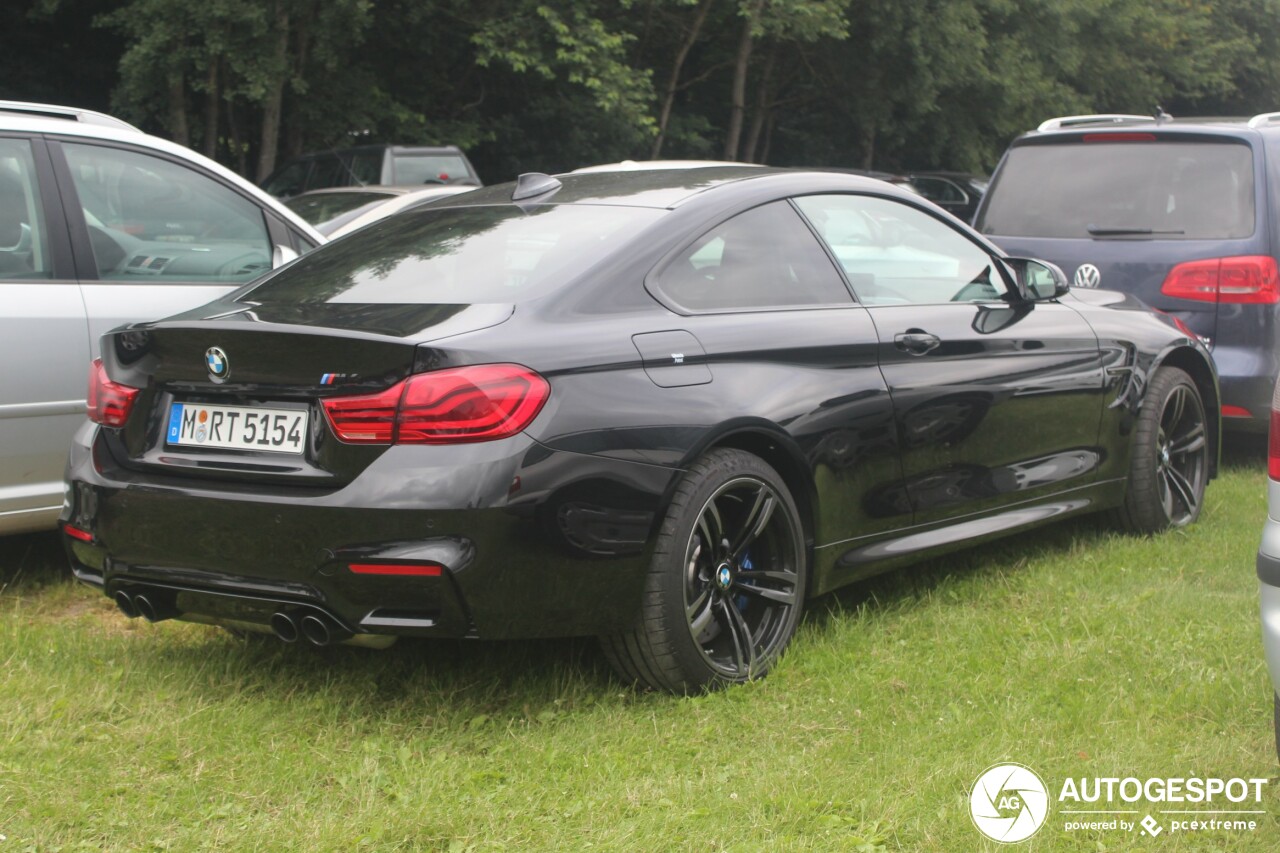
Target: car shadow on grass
(32, 560)
(508, 680)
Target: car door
(996, 398)
(769, 313)
(44, 343)
(154, 236)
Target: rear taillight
(453, 406)
(422, 570)
(1244, 279)
(109, 402)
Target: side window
(151, 219)
(366, 167)
(290, 180)
(894, 254)
(328, 172)
(24, 250)
(940, 191)
(764, 258)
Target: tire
(726, 584)
(1169, 459)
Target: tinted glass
(458, 256)
(894, 254)
(289, 181)
(936, 189)
(1168, 190)
(432, 169)
(764, 258)
(24, 252)
(328, 171)
(151, 219)
(366, 167)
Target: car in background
(101, 224)
(650, 165)
(372, 165)
(958, 193)
(338, 211)
(662, 407)
(1176, 212)
(1268, 562)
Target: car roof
(1105, 122)
(71, 121)
(670, 188)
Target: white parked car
(341, 210)
(101, 224)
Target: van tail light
(109, 402)
(464, 404)
(1251, 279)
(1273, 440)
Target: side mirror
(1038, 280)
(282, 255)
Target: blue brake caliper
(741, 600)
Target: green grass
(1071, 649)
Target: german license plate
(237, 427)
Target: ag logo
(1087, 275)
(1009, 803)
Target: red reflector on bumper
(77, 533)
(425, 570)
(1236, 412)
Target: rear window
(429, 169)
(458, 255)
(1164, 190)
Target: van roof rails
(66, 113)
(1100, 118)
(1264, 119)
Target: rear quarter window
(1170, 190)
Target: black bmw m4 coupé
(663, 407)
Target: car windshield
(320, 208)
(457, 255)
(1134, 189)
(413, 169)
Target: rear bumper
(1268, 568)
(1246, 378)
(531, 542)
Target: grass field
(1073, 650)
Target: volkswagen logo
(1087, 275)
(216, 361)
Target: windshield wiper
(1098, 231)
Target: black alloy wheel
(1170, 463)
(726, 588)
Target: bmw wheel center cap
(724, 576)
(216, 361)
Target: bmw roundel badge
(216, 361)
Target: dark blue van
(1178, 212)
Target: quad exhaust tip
(125, 602)
(285, 626)
(149, 606)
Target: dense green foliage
(554, 84)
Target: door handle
(916, 342)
